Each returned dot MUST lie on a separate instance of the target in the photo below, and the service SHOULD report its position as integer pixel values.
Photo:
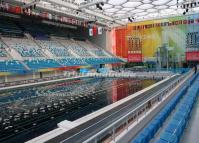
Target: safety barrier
(150, 130)
(176, 125)
(112, 131)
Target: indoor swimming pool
(31, 111)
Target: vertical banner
(99, 30)
(95, 30)
(170, 41)
(135, 57)
(90, 32)
(192, 56)
(18, 10)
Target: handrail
(111, 126)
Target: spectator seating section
(76, 52)
(41, 64)
(25, 47)
(11, 66)
(55, 48)
(145, 135)
(87, 61)
(174, 129)
(72, 62)
(75, 47)
(2, 50)
(93, 61)
(3, 53)
(98, 52)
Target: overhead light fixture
(129, 19)
(99, 6)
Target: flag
(99, 30)
(95, 30)
(90, 32)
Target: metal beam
(75, 7)
(31, 4)
(90, 4)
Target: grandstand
(36, 50)
(99, 71)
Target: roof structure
(113, 13)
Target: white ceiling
(116, 12)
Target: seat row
(3, 53)
(174, 129)
(36, 64)
(145, 135)
(11, 66)
(41, 64)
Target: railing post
(127, 124)
(95, 140)
(113, 136)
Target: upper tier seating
(99, 52)
(87, 61)
(41, 64)
(94, 61)
(59, 52)
(2, 50)
(3, 53)
(9, 28)
(55, 48)
(25, 47)
(81, 51)
(72, 62)
(11, 65)
(93, 49)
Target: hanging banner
(192, 56)
(134, 57)
(153, 38)
(95, 30)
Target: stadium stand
(39, 51)
(36, 64)
(178, 120)
(174, 129)
(55, 48)
(25, 47)
(11, 65)
(8, 27)
(2, 50)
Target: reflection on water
(41, 108)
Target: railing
(113, 130)
(140, 75)
(173, 70)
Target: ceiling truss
(114, 12)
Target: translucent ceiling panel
(132, 4)
(117, 2)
